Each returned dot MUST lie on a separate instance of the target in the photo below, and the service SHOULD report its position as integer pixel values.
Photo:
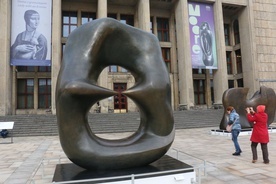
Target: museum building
(208, 47)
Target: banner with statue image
(31, 33)
(202, 35)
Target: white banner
(31, 32)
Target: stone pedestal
(165, 170)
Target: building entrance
(120, 100)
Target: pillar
(103, 78)
(220, 79)
(6, 69)
(56, 47)
(186, 91)
(248, 49)
(144, 15)
(102, 9)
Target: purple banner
(202, 35)
(31, 33)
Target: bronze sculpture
(237, 97)
(89, 49)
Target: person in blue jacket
(234, 119)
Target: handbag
(229, 128)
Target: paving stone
(32, 159)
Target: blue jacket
(234, 118)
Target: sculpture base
(247, 131)
(164, 170)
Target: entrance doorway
(120, 101)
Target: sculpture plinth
(163, 170)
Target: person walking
(234, 120)
(259, 132)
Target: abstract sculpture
(89, 49)
(236, 97)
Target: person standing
(234, 120)
(259, 132)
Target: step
(46, 125)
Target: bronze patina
(89, 49)
(237, 97)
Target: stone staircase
(46, 125)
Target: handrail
(204, 161)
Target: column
(144, 15)
(102, 9)
(174, 67)
(6, 70)
(186, 91)
(103, 78)
(56, 47)
(220, 80)
(249, 52)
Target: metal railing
(198, 164)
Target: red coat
(260, 129)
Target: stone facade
(264, 16)
(257, 27)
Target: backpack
(4, 133)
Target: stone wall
(264, 13)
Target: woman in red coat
(260, 131)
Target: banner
(202, 35)
(31, 32)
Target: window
(240, 82)
(69, 22)
(25, 93)
(123, 69)
(212, 91)
(151, 24)
(227, 34)
(87, 17)
(25, 68)
(236, 31)
(231, 84)
(127, 19)
(163, 29)
(44, 93)
(44, 69)
(120, 100)
(229, 63)
(199, 92)
(167, 58)
(112, 15)
(199, 71)
(113, 68)
(239, 61)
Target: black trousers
(264, 151)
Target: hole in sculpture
(111, 117)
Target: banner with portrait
(202, 35)
(31, 33)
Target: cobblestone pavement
(33, 159)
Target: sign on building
(31, 33)
(202, 35)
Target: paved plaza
(33, 159)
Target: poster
(31, 33)
(202, 35)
